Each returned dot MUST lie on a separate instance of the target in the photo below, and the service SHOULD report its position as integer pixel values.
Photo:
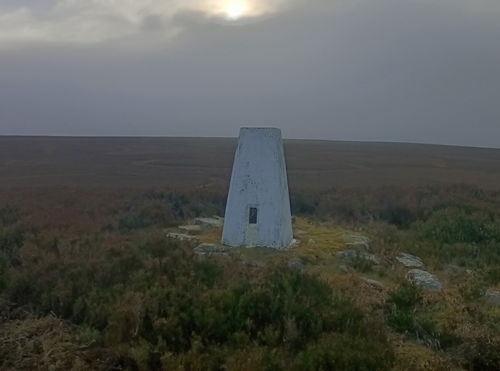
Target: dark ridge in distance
(27, 161)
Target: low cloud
(97, 21)
(384, 70)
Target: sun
(235, 10)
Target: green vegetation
(96, 272)
(402, 306)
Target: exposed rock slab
(209, 249)
(213, 222)
(357, 240)
(190, 228)
(425, 280)
(410, 261)
(493, 297)
(353, 254)
(181, 236)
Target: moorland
(90, 280)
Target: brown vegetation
(88, 279)
(150, 162)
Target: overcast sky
(378, 70)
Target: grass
(128, 297)
(317, 242)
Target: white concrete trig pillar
(258, 204)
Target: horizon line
(90, 136)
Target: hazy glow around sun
(236, 9)
(96, 21)
(233, 10)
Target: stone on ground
(346, 255)
(208, 249)
(181, 236)
(190, 228)
(410, 261)
(493, 297)
(213, 222)
(425, 280)
(357, 240)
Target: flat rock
(493, 297)
(357, 240)
(190, 228)
(410, 261)
(207, 249)
(425, 280)
(213, 222)
(181, 236)
(353, 254)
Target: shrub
(130, 223)
(89, 336)
(20, 288)
(492, 275)
(456, 226)
(399, 216)
(11, 241)
(345, 352)
(151, 302)
(406, 297)
(302, 204)
(401, 307)
(8, 216)
(401, 320)
(483, 354)
(361, 264)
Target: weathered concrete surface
(259, 180)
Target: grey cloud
(387, 70)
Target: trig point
(258, 205)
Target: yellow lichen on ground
(210, 235)
(316, 244)
(316, 241)
(312, 238)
